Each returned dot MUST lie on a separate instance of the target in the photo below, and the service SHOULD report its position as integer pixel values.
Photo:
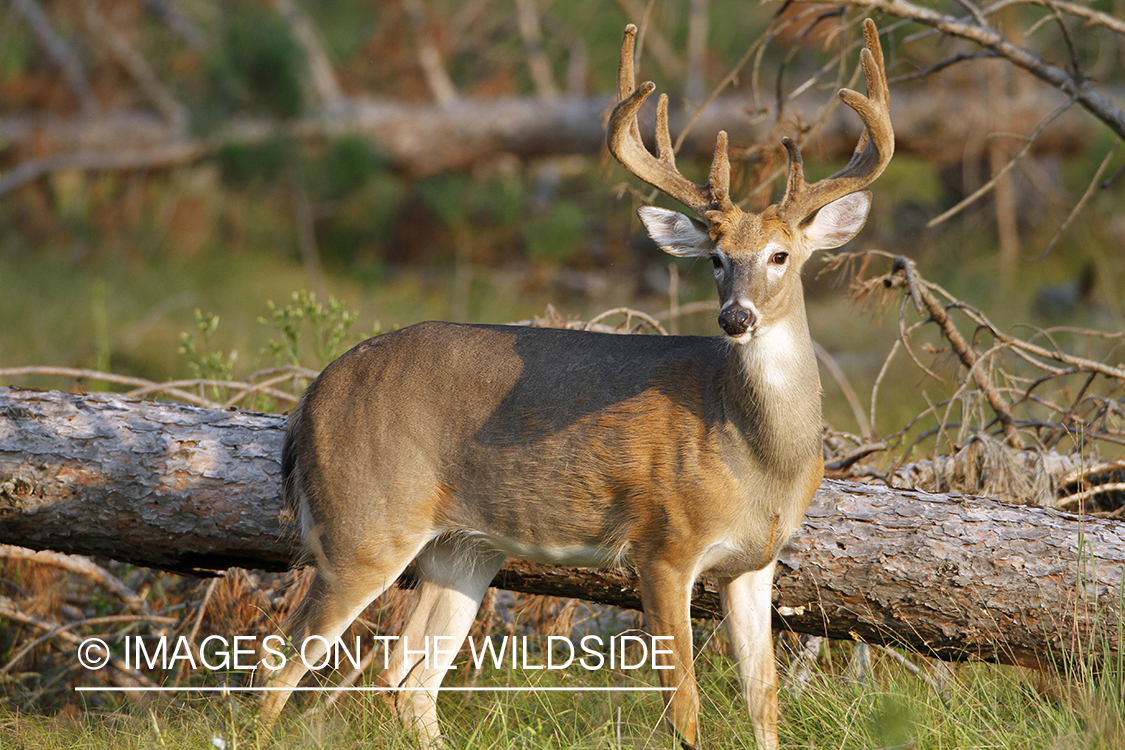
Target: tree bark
(195, 491)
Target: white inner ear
(676, 233)
(839, 221)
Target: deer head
(757, 256)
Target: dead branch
(991, 183)
(135, 65)
(120, 674)
(980, 33)
(906, 271)
(1085, 471)
(322, 78)
(837, 373)
(527, 15)
(178, 22)
(1095, 182)
(1091, 16)
(82, 566)
(429, 56)
(60, 51)
(551, 318)
(1075, 500)
(239, 392)
(1013, 384)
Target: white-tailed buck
(447, 447)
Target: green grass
(980, 707)
(128, 316)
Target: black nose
(737, 320)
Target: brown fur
(447, 447)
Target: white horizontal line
(455, 689)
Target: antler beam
(623, 136)
(873, 152)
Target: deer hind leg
(335, 598)
(452, 580)
(747, 603)
(666, 598)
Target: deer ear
(839, 221)
(676, 233)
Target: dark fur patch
(289, 493)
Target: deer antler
(872, 153)
(623, 136)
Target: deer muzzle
(736, 320)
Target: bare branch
(429, 56)
(1083, 473)
(178, 22)
(846, 389)
(121, 674)
(135, 65)
(629, 314)
(527, 15)
(694, 79)
(1075, 65)
(1073, 501)
(1089, 193)
(960, 57)
(60, 52)
(1082, 90)
(974, 11)
(322, 77)
(178, 389)
(653, 41)
(80, 565)
(1092, 17)
(1000, 389)
(986, 187)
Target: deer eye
(716, 261)
(779, 258)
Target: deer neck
(771, 393)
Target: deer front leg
(666, 596)
(747, 603)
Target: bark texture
(196, 490)
(164, 485)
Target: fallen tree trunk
(196, 491)
(422, 139)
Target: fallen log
(195, 490)
(424, 139)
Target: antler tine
(664, 150)
(873, 152)
(626, 80)
(719, 179)
(623, 137)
